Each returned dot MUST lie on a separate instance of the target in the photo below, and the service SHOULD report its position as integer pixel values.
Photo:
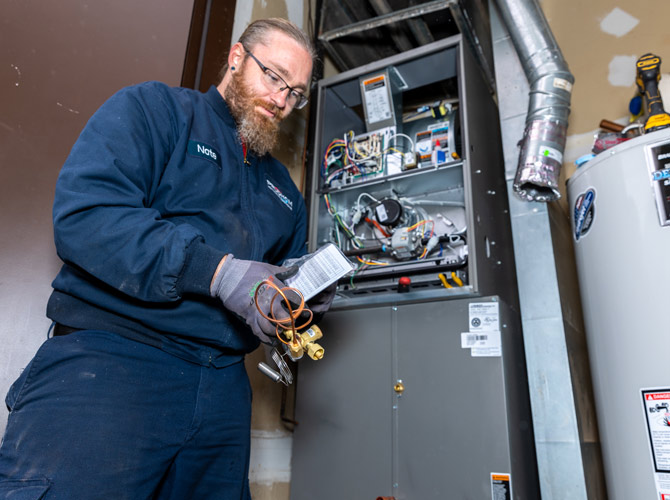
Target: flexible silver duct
(550, 80)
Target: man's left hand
(320, 303)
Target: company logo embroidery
(282, 197)
(584, 213)
(203, 150)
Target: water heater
(620, 203)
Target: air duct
(543, 142)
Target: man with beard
(169, 212)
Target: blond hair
(258, 31)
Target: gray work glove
(320, 303)
(235, 284)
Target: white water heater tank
(620, 203)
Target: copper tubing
(611, 126)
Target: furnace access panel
(405, 183)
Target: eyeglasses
(276, 83)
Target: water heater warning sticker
(501, 486)
(656, 404)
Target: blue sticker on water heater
(584, 212)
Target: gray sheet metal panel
(342, 445)
(459, 419)
(489, 231)
(452, 424)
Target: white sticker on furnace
(483, 339)
(484, 316)
(482, 344)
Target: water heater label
(584, 212)
(656, 405)
(659, 166)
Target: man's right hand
(235, 282)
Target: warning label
(501, 486)
(656, 404)
(657, 411)
(377, 102)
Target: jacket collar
(215, 99)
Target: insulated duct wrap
(550, 80)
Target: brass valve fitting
(305, 342)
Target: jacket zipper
(244, 152)
(253, 224)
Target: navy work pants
(99, 416)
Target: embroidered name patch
(203, 150)
(282, 197)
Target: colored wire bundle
(334, 153)
(369, 262)
(357, 158)
(347, 230)
(421, 223)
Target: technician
(168, 213)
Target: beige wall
(601, 40)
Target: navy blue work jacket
(154, 192)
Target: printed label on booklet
(319, 270)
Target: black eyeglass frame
(301, 99)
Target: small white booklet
(320, 269)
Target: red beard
(258, 131)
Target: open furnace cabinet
(422, 393)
